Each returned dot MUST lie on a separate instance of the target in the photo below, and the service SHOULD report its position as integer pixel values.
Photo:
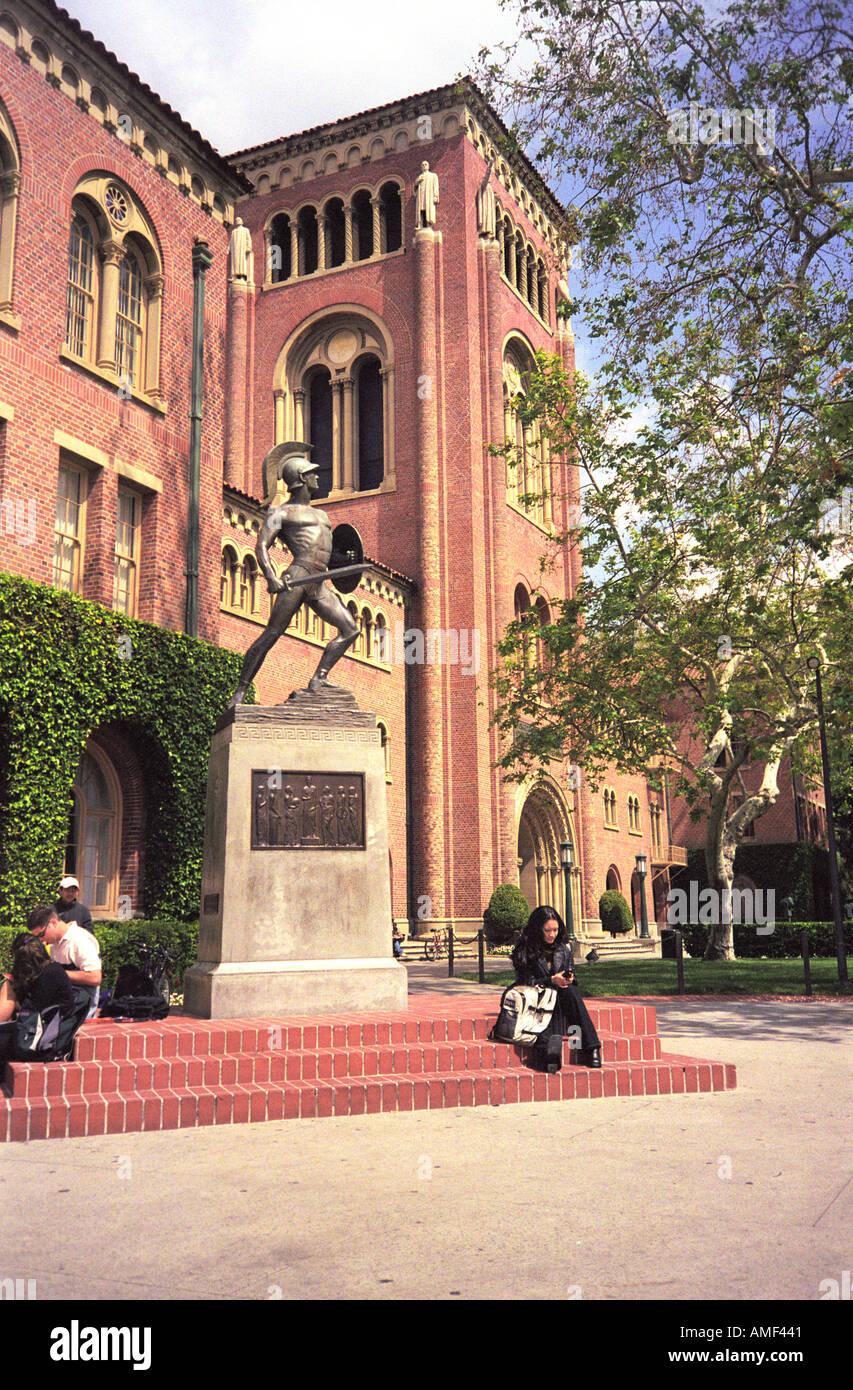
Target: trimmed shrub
(615, 913)
(506, 915)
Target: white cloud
(242, 75)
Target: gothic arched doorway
(543, 824)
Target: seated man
(71, 946)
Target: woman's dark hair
(531, 932)
(531, 942)
(30, 959)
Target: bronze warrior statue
(307, 532)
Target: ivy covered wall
(68, 667)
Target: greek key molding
(299, 734)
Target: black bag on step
(135, 997)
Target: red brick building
(403, 270)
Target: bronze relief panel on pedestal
(299, 810)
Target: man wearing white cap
(67, 907)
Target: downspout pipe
(202, 260)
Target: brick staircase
(187, 1072)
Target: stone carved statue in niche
(486, 206)
(240, 250)
(426, 196)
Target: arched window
(306, 224)
(334, 388)
(391, 216)
(528, 473)
(229, 583)
(279, 249)
(10, 183)
(115, 287)
(610, 807)
(334, 230)
(92, 847)
(362, 216)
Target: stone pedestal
(296, 890)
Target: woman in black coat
(543, 956)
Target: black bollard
(450, 952)
(807, 965)
(481, 956)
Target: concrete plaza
(745, 1195)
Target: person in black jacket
(543, 956)
(37, 982)
(68, 909)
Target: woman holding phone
(543, 956)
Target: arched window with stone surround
(114, 287)
(10, 183)
(94, 832)
(229, 581)
(334, 231)
(307, 232)
(279, 244)
(334, 388)
(528, 474)
(362, 217)
(391, 216)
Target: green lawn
(700, 977)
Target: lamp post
(567, 859)
(813, 664)
(642, 866)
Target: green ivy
(69, 666)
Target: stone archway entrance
(543, 823)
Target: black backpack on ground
(135, 996)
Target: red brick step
(189, 1072)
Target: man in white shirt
(70, 945)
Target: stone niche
(296, 890)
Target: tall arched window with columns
(528, 472)
(334, 388)
(114, 287)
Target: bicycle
(435, 945)
(157, 964)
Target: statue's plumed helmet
(294, 471)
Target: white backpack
(525, 1014)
